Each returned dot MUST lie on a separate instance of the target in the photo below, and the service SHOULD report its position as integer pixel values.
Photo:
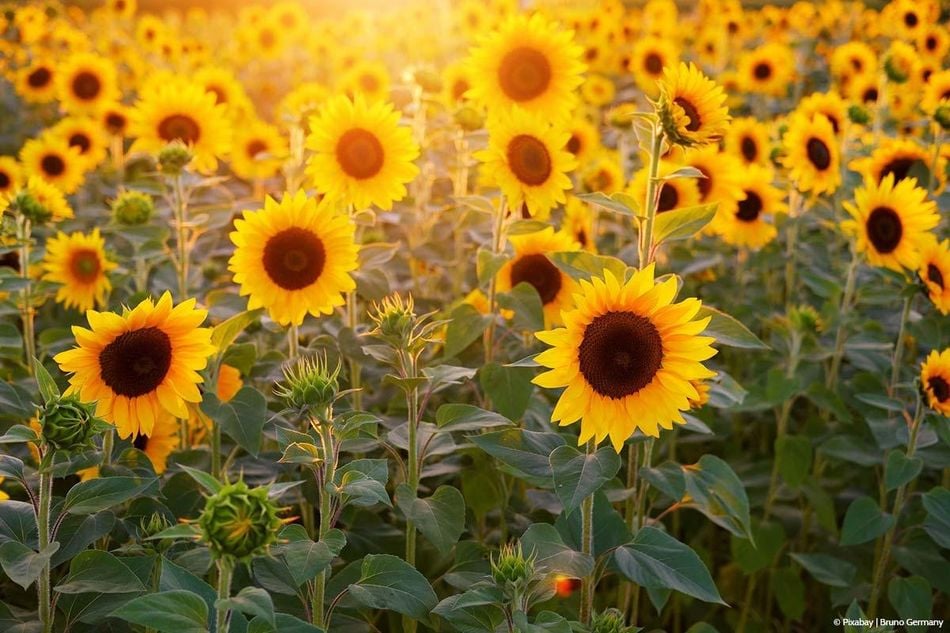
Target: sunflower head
(67, 424)
(935, 381)
(239, 522)
(691, 107)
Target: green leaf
(728, 331)
(176, 611)
(524, 452)
(440, 518)
(794, 454)
(753, 556)
(466, 417)
(96, 571)
(578, 475)
(553, 555)
(49, 391)
(618, 202)
(465, 327)
(509, 388)
(791, 595)
(94, 495)
(253, 601)
(912, 598)
(225, 333)
(204, 479)
(654, 559)
(388, 582)
(242, 418)
(827, 569)
(525, 303)
(716, 491)
(22, 564)
(899, 470)
(864, 521)
(681, 224)
(937, 523)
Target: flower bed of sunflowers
(463, 316)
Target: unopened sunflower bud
(609, 621)
(239, 522)
(67, 424)
(310, 384)
(132, 208)
(173, 158)
(942, 116)
(469, 119)
(511, 568)
(859, 114)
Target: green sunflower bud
(859, 114)
(310, 384)
(239, 522)
(609, 621)
(173, 158)
(67, 424)
(469, 119)
(132, 208)
(942, 116)
(512, 569)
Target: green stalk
(880, 565)
(899, 345)
(225, 572)
(326, 519)
(26, 309)
(42, 527)
(649, 204)
(832, 378)
(587, 547)
(498, 243)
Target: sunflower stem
(587, 547)
(43, 531)
(26, 309)
(498, 242)
(223, 614)
(899, 345)
(847, 297)
(880, 565)
(649, 204)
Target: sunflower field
(474, 316)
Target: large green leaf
(579, 475)
(655, 559)
(176, 611)
(440, 518)
(864, 521)
(242, 417)
(388, 582)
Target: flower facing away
(78, 262)
(239, 522)
(294, 257)
(935, 381)
(137, 365)
(627, 356)
(691, 107)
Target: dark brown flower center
(818, 153)
(939, 387)
(360, 154)
(529, 160)
(749, 148)
(80, 140)
(179, 127)
(538, 271)
(53, 165)
(762, 71)
(934, 275)
(524, 74)
(653, 63)
(884, 229)
(750, 208)
(39, 78)
(136, 362)
(620, 354)
(86, 85)
(668, 198)
(85, 265)
(691, 113)
(294, 258)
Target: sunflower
(626, 357)
(934, 273)
(829, 104)
(578, 222)
(650, 55)
(79, 263)
(258, 150)
(691, 106)
(181, 110)
(767, 70)
(85, 82)
(36, 83)
(935, 381)
(526, 159)
(140, 364)
(750, 223)
(11, 175)
(675, 193)
(527, 62)
(52, 158)
(294, 257)
(86, 135)
(901, 157)
(362, 156)
(812, 154)
(891, 222)
(162, 441)
(531, 265)
(748, 139)
(584, 140)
